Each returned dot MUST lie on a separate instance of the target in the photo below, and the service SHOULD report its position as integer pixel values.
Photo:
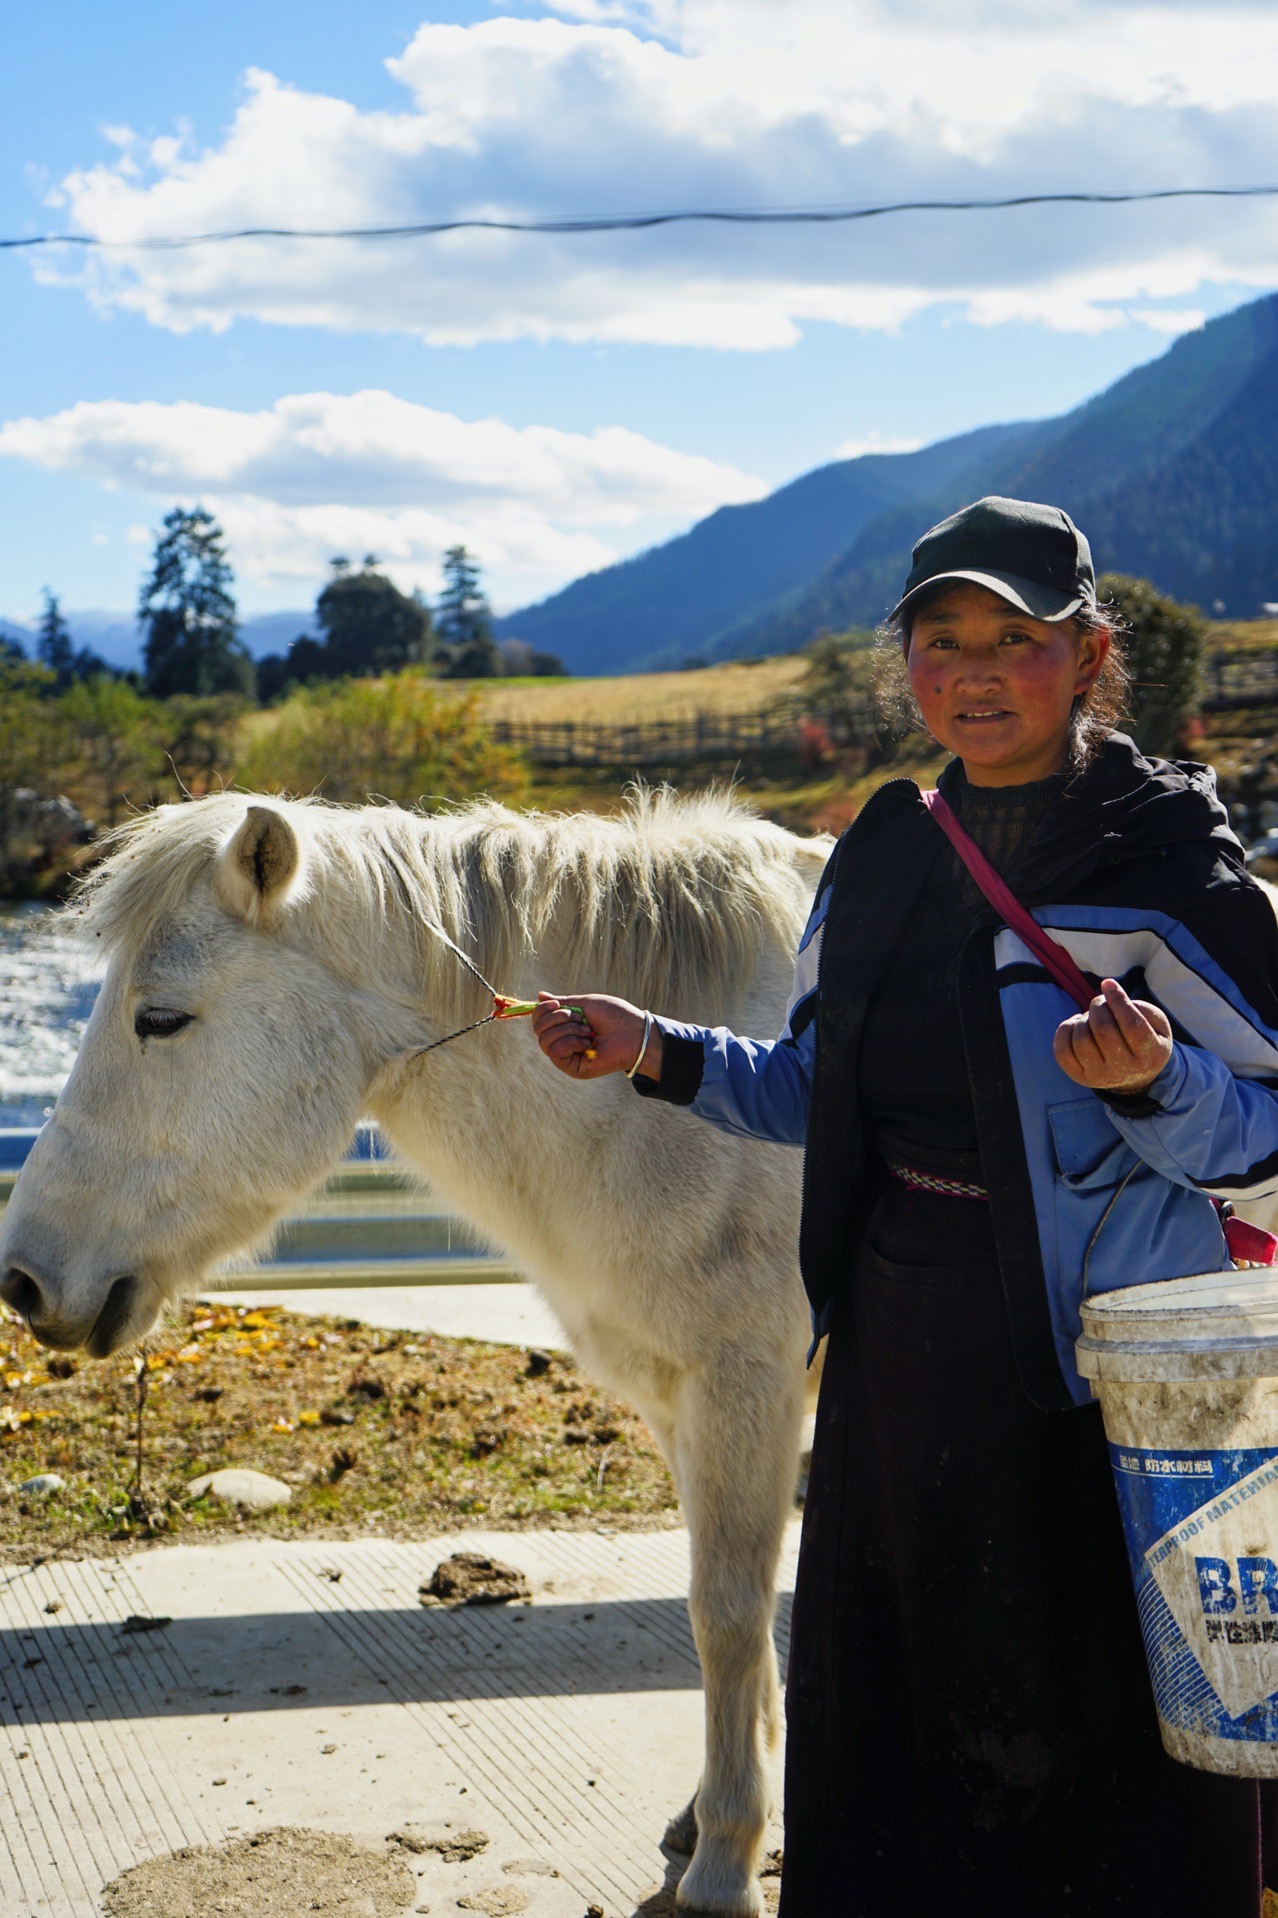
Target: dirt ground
(406, 1432)
(288, 1874)
(293, 1873)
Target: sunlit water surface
(47, 988)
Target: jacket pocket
(1089, 1152)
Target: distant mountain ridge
(116, 637)
(1172, 473)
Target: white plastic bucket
(1186, 1372)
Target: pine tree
(53, 646)
(464, 621)
(188, 609)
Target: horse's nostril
(21, 1293)
(113, 1318)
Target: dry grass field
(738, 686)
(411, 1433)
(1244, 635)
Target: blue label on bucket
(1202, 1537)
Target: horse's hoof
(681, 1832)
(715, 1890)
(748, 1905)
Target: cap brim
(1027, 595)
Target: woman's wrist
(649, 1066)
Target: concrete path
(304, 1685)
(503, 1314)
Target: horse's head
(219, 1079)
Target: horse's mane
(668, 902)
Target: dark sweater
(912, 1079)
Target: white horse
(272, 967)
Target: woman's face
(997, 687)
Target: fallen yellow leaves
(228, 1385)
(12, 1421)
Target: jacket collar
(1121, 805)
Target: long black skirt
(970, 1724)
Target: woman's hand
(1117, 1045)
(568, 1029)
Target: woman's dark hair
(1096, 713)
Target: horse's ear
(258, 864)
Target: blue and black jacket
(1136, 872)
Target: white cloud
(874, 443)
(322, 473)
(1169, 319)
(733, 103)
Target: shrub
(837, 687)
(117, 745)
(398, 738)
(199, 738)
(1164, 643)
(32, 741)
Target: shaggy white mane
(667, 902)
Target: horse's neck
(408, 960)
(464, 1104)
(480, 1118)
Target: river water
(47, 989)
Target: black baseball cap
(1032, 556)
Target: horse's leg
(681, 1833)
(737, 1440)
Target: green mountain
(688, 596)
(1172, 473)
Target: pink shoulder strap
(1248, 1244)
(1052, 956)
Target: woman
(970, 1726)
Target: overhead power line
(635, 222)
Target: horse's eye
(159, 1022)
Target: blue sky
(556, 404)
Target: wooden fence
(700, 739)
(1232, 680)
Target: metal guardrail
(372, 1224)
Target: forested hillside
(691, 595)
(1172, 472)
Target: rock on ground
(286, 1873)
(256, 1491)
(529, 1868)
(454, 1847)
(468, 1578)
(497, 1901)
(42, 1484)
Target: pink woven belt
(932, 1182)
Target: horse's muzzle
(115, 1324)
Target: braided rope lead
(504, 1007)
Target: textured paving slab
(283, 1694)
